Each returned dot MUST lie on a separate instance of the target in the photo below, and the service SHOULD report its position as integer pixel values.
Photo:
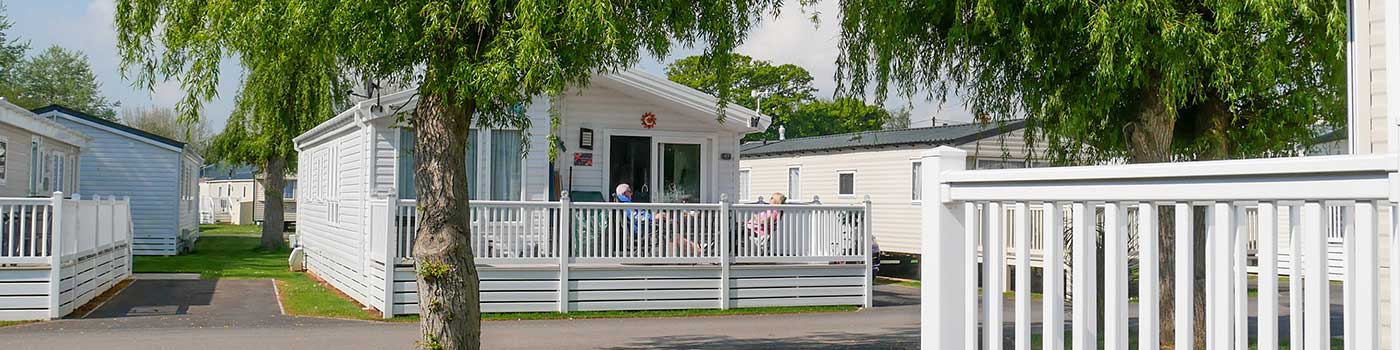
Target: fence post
(724, 251)
(56, 258)
(391, 251)
(130, 230)
(565, 231)
(867, 241)
(943, 259)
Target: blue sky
(87, 26)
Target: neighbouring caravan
(158, 174)
(544, 237)
(884, 165)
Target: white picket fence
(1226, 190)
(57, 254)
(565, 256)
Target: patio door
(681, 172)
(630, 162)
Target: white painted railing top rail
(1236, 197)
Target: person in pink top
(763, 224)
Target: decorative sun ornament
(648, 120)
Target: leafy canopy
(292, 82)
(59, 76)
(489, 56)
(1245, 78)
(786, 92)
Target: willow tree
(1146, 81)
(291, 83)
(473, 62)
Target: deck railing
(75, 247)
(1225, 192)
(510, 232)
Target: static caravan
(548, 233)
(884, 165)
(157, 173)
(37, 156)
(58, 249)
(235, 194)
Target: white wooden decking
(622, 256)
(57, 254)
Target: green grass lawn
(228, 251)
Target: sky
(87, 26)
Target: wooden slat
(1219, 329)
(1295, 282)
(1054, 285)
(1367, 272)
(1239, 278)
(970, 225)
(1085, 249)
(1148, 284)
(1115, 241)
(1023, 277)
(1267, 231)
(1316, 320)
(993, 261)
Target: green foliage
(1235, 78)
(432, 271)
(787, 96)
(11, 56)
(54, 76)
(842, 115)
(165, 122)
(60, 76)
(292, 83)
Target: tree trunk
(1150, 141)
(448, 289)
(274, 179)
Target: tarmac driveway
(173, 301)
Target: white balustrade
(505, 232)
(1255, 212)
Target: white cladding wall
(120, 165)
(610, 112)
(332, 218)
(886, 175)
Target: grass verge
(228, 251)
(15, 323)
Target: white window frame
(916, 183)
(840, 173)
(5, 158)
(745, 184)
(794, 189)
(35, 163)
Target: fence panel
(1331, 204)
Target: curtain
(505, 165)
(407, 140)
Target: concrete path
(893, 324)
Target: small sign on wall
(585, 138)
(583, 159)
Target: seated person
(637, 217)
(762, 224)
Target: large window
(918, 181)
(794, 183)
(505, 165)
(846, 183)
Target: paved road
(891, 325)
